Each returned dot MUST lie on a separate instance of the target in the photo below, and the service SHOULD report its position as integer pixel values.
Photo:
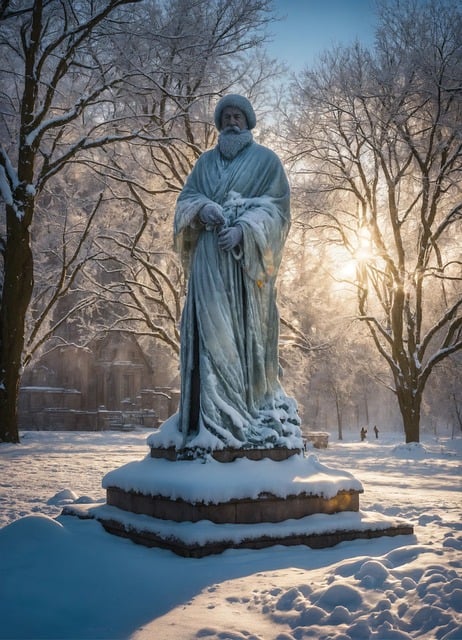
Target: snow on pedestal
(201, 506)
(211, 482)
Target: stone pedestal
(264, 508)
(227, 454)
(170, 535)
(256, 499)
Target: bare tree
(42, 45)
(200, 53)
(377, 136)
(75, 91)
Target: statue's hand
(230, 237)
(211, 215)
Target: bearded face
(232, 140)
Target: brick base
(266, 508)
(227, 455)
(262, 521)
(195, 550)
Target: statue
(231, 222)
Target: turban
(239, 102)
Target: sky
(65, 578)
(311, 26)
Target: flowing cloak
(230, 390)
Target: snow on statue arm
(255, 195)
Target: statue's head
(234, 110)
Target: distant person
(363, 434)
(376, 431)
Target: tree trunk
(339, 416)
(458, 412)
(366, 409)
(410, 405)
(16, 295)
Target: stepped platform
(203, 506)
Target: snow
(241, 479)
(8, 178)
(50, 389)
(5, 188)
(201, 533)
(63, 577)
(170, 435)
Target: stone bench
(319, 439)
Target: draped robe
(230, 390)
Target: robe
(231, 395)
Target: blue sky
(311, 26)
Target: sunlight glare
(364, 250)
(360, 253)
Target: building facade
(110, 384)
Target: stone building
(110, 384)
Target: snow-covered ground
(62, 577)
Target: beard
(232, 140)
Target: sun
(364, 251)
(359, 253)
